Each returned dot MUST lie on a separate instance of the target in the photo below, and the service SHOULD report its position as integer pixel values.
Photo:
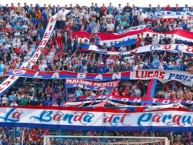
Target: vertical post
(23, 132)
(59, 131)
(166, 141)
(66, 94)
(14, 130)
(52, 91)
(105, 135)
(190, 141)
(44, 140)
(151, 134)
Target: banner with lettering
(172, 48)
(162, 75)
(169, 15)
(129, 99)
(171, 119)
(179, 35)
(85, 84)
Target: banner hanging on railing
(85, 84)
(169, 15)
(162, 75)
(76, 118)
(172, 48)
(135, 100)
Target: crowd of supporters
(22, 28)
(29, 136)
(29, 92)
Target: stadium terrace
(100, 74)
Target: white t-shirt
(110, 27)
(155, 40)
(110, 61)
(137, 92)
(42, 67)
(24, 47)
(129, 59)
(120, 9)
(14, 104)
(122, 49)
(172, 40)
(25, 27)
(4, 100)
(109, 16)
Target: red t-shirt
(59, 40)
(61, 53)
(138, 42)
(126, 91)
(103, 9)
(113, 49)
(17, 49)
(168, 8)
(35, 67)
(115, 93)
(46, 51)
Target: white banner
(164, 76)
(173, 48)
(175, 15)
(43, 117)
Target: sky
(141, 3)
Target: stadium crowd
(28, 92)
(29, 136)
(22, 28)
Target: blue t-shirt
(78, 93)
(11, 97)
(1, 68)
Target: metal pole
(190, 141)
(14, 129)
(22, 139)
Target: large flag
(181, 36)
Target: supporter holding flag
(155, 39)
(148, 40)
(156, 61)
(138, 42)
